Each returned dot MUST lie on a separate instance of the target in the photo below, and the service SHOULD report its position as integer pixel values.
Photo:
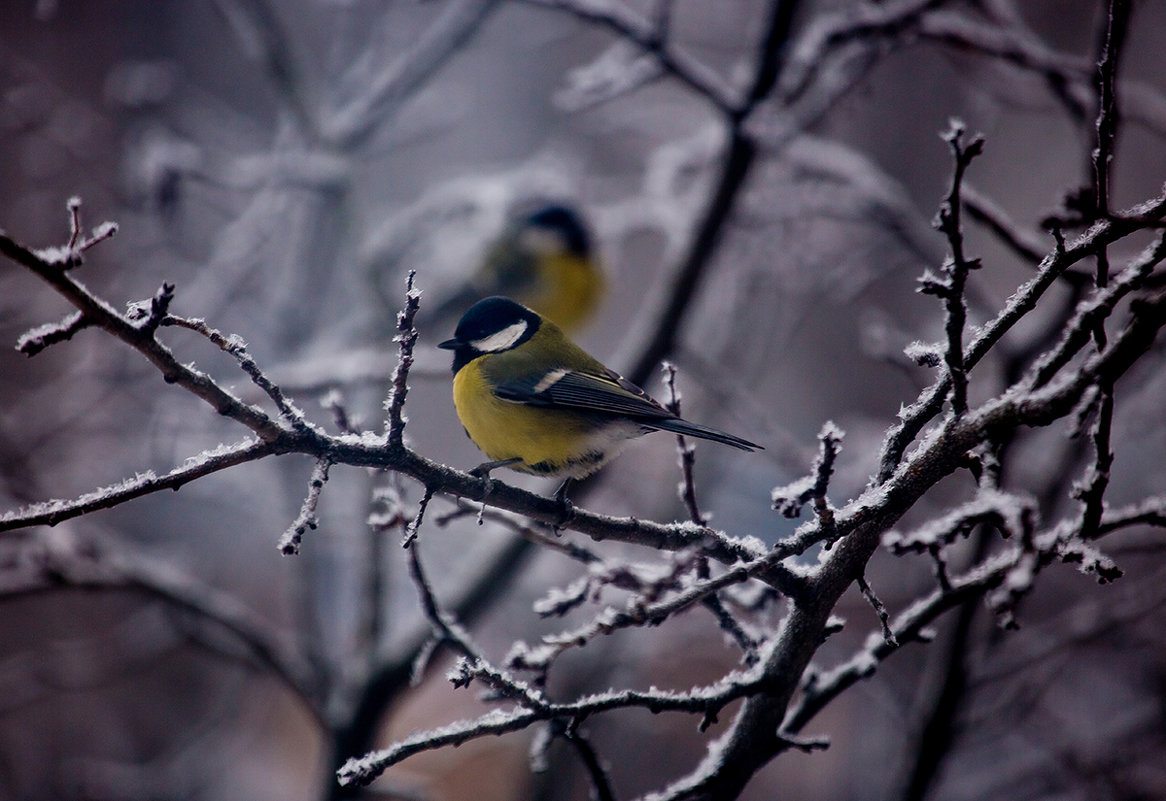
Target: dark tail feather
(678, 426)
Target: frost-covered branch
(49, 513)
(642, 609)
(1011, 567)
(367, 449)
(790, 499)
(35, 340)
(235, 346)
(1066, 374)
(753, 740)
(52, 266)
(1023, 301)
(706, 701)
(1091, 490)
(950, 288)
(686, 451)
(399, 388)
(289, 543)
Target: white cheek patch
(542, 240)
(549, 380)
(502, 340)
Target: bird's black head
(492, 325)
(564, 223)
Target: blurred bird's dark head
(561, 222)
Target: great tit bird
(534, 401)
(546, 261)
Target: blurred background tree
(760, 179)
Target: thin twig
(1025, 244)
(37, 339)
(406, 338)
(415, 523)
(289, 542)
(651, 614)
(596, 772)
(1092, 493)
(880, 610)
(789, 499)
(951, 287)
(685, 450)
(234, 345)
(1063, 256)
(51, 266)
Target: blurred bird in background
(544, 259)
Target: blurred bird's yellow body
(534, 401)
(568, 292)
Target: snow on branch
(289, 543)
(211, 461)
(950, 287)
(1008, 574)
(234, 345)
(790, 499)
(366, 449)
(35, 340)
(1009, 514)
(929, 403)
(130, 329)
(406, 339)
(706, 700)
(686, 451)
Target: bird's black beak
(450, 344)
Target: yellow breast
(548, 441)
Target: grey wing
(608, 393)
